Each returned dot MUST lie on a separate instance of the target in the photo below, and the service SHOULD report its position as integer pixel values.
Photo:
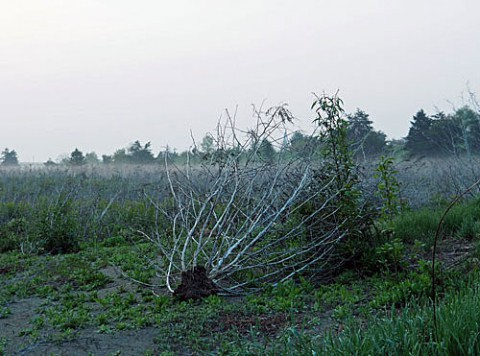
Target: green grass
(463, 221)
(410, 331)
(406, 331)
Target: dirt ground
(88, 340)
(85, 341)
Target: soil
(88, 341)
(195, 284)
(85, 341)
(268, 325)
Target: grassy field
(100, 293)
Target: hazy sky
(100, 74)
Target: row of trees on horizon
(457, 133)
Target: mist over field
(100, 75)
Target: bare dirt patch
(11, 327)
(244, 324)
(125, 343)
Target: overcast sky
(100, 74)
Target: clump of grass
(406, 332)
(416, 225)
(462, 221)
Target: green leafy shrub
(388, 188)
(58, 227)
(11, 233)
(390, 255)
(469, 229)
(353, 214)
(286, 296)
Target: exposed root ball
(195, 285)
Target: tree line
(456, 133)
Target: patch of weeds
(58, 227)
(156, 353)
(162, 303)
(390, 255)
(133, 261)
(347, 277)
(38, 322)
(286, 296)
(125, 311)
(4, 312)
(416, 225)
(196, 326)
(20, 289)
(104, 329)
(121, 326)
(401, 288)
(83, 274)
(3, 345)
(213, 301)
(410, 331)
(67, 334)
(469, 229)
(335, 295)
(342, 312)
(115, 241)
(12, 263)
(62, 318)
(418, 247)
(32, 332)
(46, 291)
(462, 221)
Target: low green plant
(388, 188)
(417, 225)
(402, 288)
(3, 345)
(338, 294)
(469, 229)
(63, 318)
(390, 255)
(4, 311)
(286, 296)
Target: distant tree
(207, 145)
(266, 151)
(254, 140)
(91, 158)
(446, 134)
(419, 140)
(77, 158)
(359, 126)
(365, 141)
(167, 155)
(141, 154)
(441, 134)
(50, 163)
(107, 159)
(303, 146)
(469, 122)
(120, 156)
(9, 158)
